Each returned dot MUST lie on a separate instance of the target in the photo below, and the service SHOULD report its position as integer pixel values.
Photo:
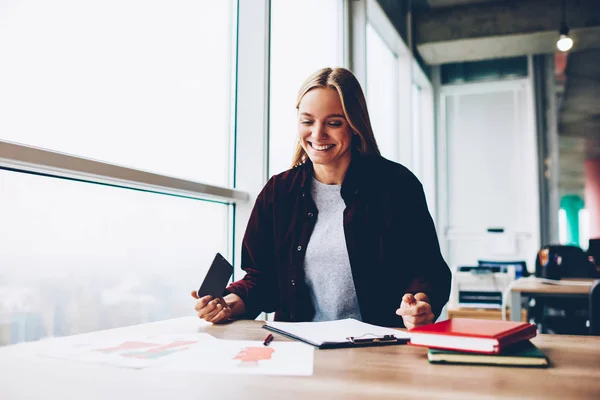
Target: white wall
(488, 170)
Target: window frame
(21, 158)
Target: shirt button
(293, 282)
(299, 248)
(310, 215)
(355, 192)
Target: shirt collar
(352, 181)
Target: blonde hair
(354, 106)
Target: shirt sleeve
(258, 288)
(432, 275)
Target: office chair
(562, 315)
(595, 308)
(562, 261)
(594, 253)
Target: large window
(417, 132)
(131, 82)
(423, 140)
(139, 86)
(79, 257)
(305, 36)
(400, 99)
(119, 166)
(382, 93)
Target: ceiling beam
(454, 3)
(512, 28)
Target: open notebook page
(335, 331)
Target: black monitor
(520, 266)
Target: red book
(472, 335)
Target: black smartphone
(216, 279)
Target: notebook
(474, 335)
(336, 334)
(523, 354)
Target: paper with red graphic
(140, 352)
(252, 355)
(190, 352)
(247, 357)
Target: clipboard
(330, 334)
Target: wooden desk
(390, 372)
(528, 288)
(482, 313)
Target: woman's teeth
(321, 148)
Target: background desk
(482, 313)
(527, 288)
(389, 372)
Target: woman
(344, 233)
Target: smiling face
(324, 132)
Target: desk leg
(515, 306)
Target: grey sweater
(326, 265)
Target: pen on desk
(268, 340)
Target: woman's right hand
(217, 310)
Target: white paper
(127, 352)
(335, 331)
(246, 357)
(190, 352)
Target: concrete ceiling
(454, 3)
(579, 120)
(468, 30)
(580, 110)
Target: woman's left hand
(415, 310)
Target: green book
(524, 354)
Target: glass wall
(423, 142)
(305, 36)
(417, 132)
(381, 94)
(151, 86)
(79, 257)
(128, 82)
(145, 85)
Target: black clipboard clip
(374, 340)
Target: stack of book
(475, 341)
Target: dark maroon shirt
(392, 243)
